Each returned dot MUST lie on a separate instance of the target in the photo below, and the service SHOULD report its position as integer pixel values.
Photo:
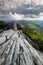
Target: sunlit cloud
(16, 16)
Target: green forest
(34, 34)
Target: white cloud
(41, 14)
(40, 17)
(16, 16)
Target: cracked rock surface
(16, 50)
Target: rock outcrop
(15, 49)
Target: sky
(21, 9)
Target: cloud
(22, 9)
(16, 16)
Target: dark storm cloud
(34, 10)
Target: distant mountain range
(32, 24)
